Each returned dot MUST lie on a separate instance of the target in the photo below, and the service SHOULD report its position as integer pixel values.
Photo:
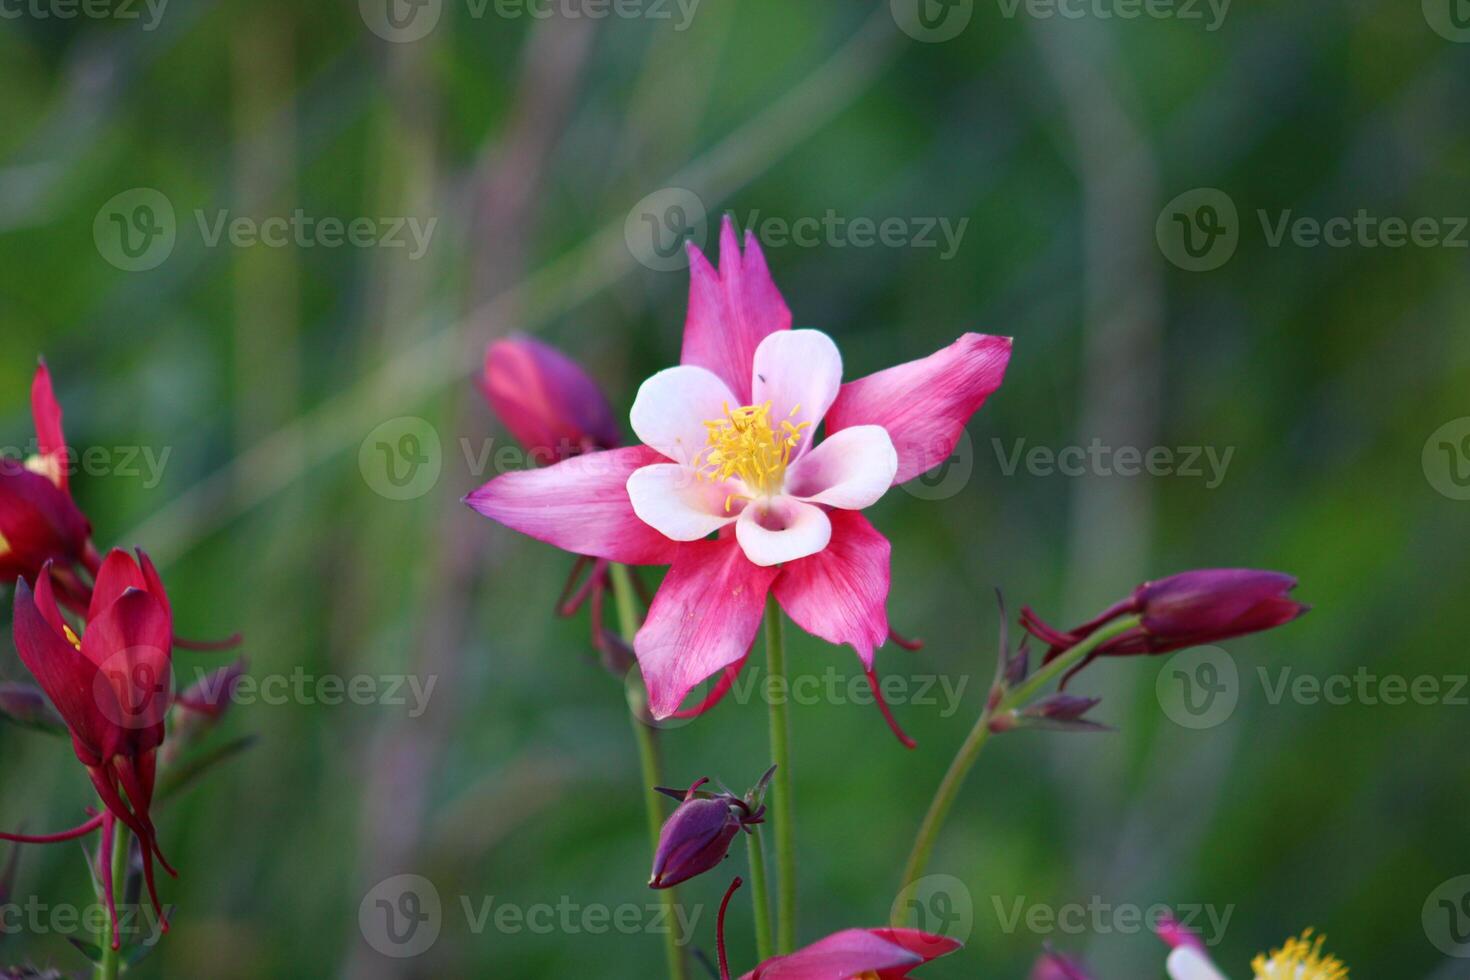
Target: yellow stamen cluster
(4, 546)
(744, 444)
(71, 635)
(1299, 959)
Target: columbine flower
(112, 687)
(39, 521)
(1185, 610)
(697, 835)
(730, 449)
(1299, 958)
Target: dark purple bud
(1062, 712)
(697, 836)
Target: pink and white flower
(732, 487)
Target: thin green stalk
(964, 760)
(648, 760)
(111, 961)
(784, 829)
(759, 895)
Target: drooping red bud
(1185, 610)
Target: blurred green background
(533, 143)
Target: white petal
(797, 369)
(673, 501)
(782, 529)
(671, 409)
(1188, 963)
(850, 469)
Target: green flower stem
(759, 895)
(648, 759)
(964, 759)
(111, 961)
(783, 827)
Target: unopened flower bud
(697, 836)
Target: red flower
(39, 521)
(888, 954)
(1203, 606)
(112, 687)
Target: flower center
(744, 443)
(1300, 959)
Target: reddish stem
(720, 929)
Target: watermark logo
(149, 12)
(136, 230)
(1446, 459)
(401, 21)
(1100, 917)
(1199, 230)
(401, 916)
(1199, 688)
(658, 226)
(1446, 917)
(948, 478)
(1450, 19)
(133, 688)
(932, 21)
(401, 459)
(939, 905)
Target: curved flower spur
(733, 489)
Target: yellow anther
(1299, 959)
(744, 444)
(71, 636)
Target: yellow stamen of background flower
(4, 546)
(744, 444)
(47, 466)
(1299, 959)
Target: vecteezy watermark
(937, 905)
(143, 463)
(39, 918)
(1198, 688)
(1446, 459)
(932, 21)
(1201, 688)
(403, 21)
(403, 916)
(1200, 229)
(402, 458)
(1207, 463)
(1363, 687)
(1211, 13)
(149, 12)
(298, 687)
(1099, 917)
(1450, 19)
(944, 692)
(1446, 917)
(658, 226)
(138, 229)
